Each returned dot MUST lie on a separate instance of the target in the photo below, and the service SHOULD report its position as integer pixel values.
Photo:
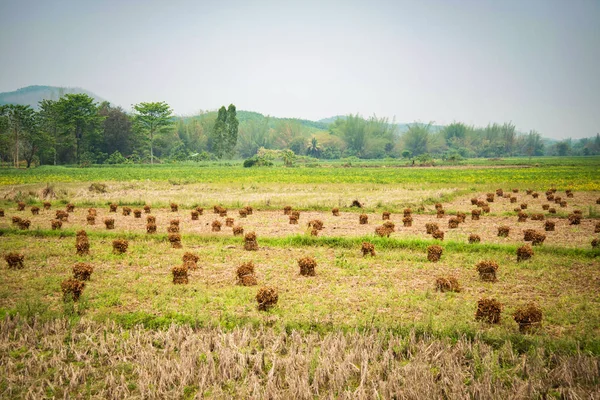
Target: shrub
(110, 223)
(21, 206)
(56, 224)
(174, 207)
(175, 240)
(524, 253)
(434, 252)
(24, 224)
(180, 274)
(238, 230)
(437, 234)
(574, 219)
(293, 220)
(82, 271)
(229, 222)
(151, 219)
(216, 226)
(14, 260)
(137, 213)
(35, 210)
(266, 298)
(287, 210)
(150, 227)
(549, 226)
(250, 242)
(126, 211)
(307, 266)
(113, 207)
(383, 231)
(528, 317)
(147, 209)
(385, 215)
(447, 284)
(522, 217)
(368, 248)
(245, 274)
(243, 213)
(431, 227)
(363, 219)
(453, 223)
(120, 246)
(473, 238)
(487, 270)
(47, 205)
(488, 310)
(194, 215)
(503, 231)
(72, 289)
(190, 260)
(335, 211)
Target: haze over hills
(32, 95)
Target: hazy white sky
(535, 63)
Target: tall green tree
(225, 132)
(152, 119)
(416, 139)
(79, 120)
(19, 123)
(49, 120)
(232, 125)
(117, 130)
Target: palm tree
(313, 148)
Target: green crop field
(359, 324)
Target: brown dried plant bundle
(552, 210)
(597, 227)
(316, 224)
(229, 222)
(266, 298)
(434, 253)
(35, 210)
(56, 224)
(474, 201)
(24, 224)
(524, 253)
(113, 207)
(250, 242)
(16, 220)
(243, 213)
(335, 212)
(517, 210)
(223, 212)
(200, 210)
(537, 238)
(174, 207)
(151, 219)
(385, 215)
(249, 210)
(173, 229)
(174, 222)
(431, 227)
(528, 234)
(488, 310)
(190, 260)
(506, 195)
(437, 234)
(598, 200)
(296, 213)
(475, 214)
(453, 223)
(489, 197)
(569, 193)
(595, 243)
(503, 231)
(126, 211)
(180, 274)
(307, 266)
(82, 271)
(529, 191)
(368, 248)
(363, 219)
(513, 199)
(70, 207)
(216, 226)
(523, 206)
(150, 227)
(549, 226)
(545, 207)
(92, 211)
(293, 220)
(515, 190)
(383, 231)
(175, 240)
(72, 289)
(407, 221)
(82, 245)
(120, 246)
(535, 195)
(485, 209)
(47, 205)
(487, 270)
(578, 212)
(522, 217)
(529, 317)
(447, 284)
(217, 209)
(438, 206)
(245, 274)
(574, 219)
(461, 216)
(1, 212)
(473, 238)
(110, 223)
(440, 213)
(287, 210)
(499, 192)
(14, 260)
(550, 197)
(563, 204)
(137, 213)
(62, 215)
(314, 232)
(21, 206)
(407, 212)
(147, 209)
(238, 230)
(537, 217)
(481, 203)
(194, 214)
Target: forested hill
(32, 95)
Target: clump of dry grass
(595, 243)
(229, 222)
(293, 220)
(1, 212)
(245, 274)
(307, 266)
(56, 224)
(545, 207)
(385, 215)
(47, 205)
(488, 310)
(266, 298)
(150, 227)
(109, 223)
(485, 209)
(363, 219)
(180, 274)
(489, 197)
(174, 207)
(21, 206)
(447, 284)
(216, 226)
(82, 243)
(474, 201)
(147, 209)
(550, 197)
(368, 248)
(137, 213)
(120, 246)
(503, 231)
(82, 271)
(453, 223)
(434, 253)
(175, 240)
(335, 212)
(92, 211)
(250, 242)
(523, 206)
(151, 219)
(62, 215)
(126, 211)
(537, 238)
(438, 234)
(243, 213)
(35, 210)
(440, 213)
(524, 253)
(16, 220)
(24, 224)
(473, 238)
(431, 227)
(113, 207)
(513, 199)
(238, 230)
(598, 200)
(475, 214)
(537, 217)
(597, 227)
(195, 215)
(499, 192)
(574, 219)
(173, 229)
(223, 212)
(487, 270)
(249, 210)
(552, 210)
(549, 226)
(383, 231)
(316, 224)
(461, 216)
(529, 317)
(72, 289)
(535, 195)
(200, 210)
(407, 221)
(287, 210)
(190, 260)
(14, 260)
(528, 235)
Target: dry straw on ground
(434, 253)
(487, 270)
(14, 260)
(473, 238)
(529, 317)
(245, 274)
(72, 289)
(250, 242)
(447, 284)
(175, 240)
(120, 246)
(266, 298)
(488, 310)
(368, 248)
(307, 266)
(524, 253)
(82, 271)
(180, 274)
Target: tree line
(76, 130)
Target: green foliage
(116, 158)
(151, 119)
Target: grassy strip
(322, 241)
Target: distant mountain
(31, 95)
